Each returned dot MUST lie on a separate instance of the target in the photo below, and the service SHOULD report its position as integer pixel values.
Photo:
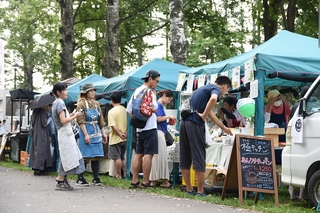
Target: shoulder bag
(168, 137)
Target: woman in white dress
(160, 168)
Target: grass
(266, 205)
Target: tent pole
(259, 114)
(129, 140)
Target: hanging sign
(201, 80)
(235, 77)
(249, 67)
(181, 80)
(190, 81)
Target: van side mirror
(302, 107)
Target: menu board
(256, 163)
(252, 167)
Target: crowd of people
(55, 148)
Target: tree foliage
(215, 30)
(31, 38)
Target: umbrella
(41, 101)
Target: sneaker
(96, 182)
(191, 193)
(82, 182)
(64, 186)
(201, 195)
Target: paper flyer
(181, 80)
(297, 130)
(235, 79)
(201, 80)
(190, 83)
(254, 89)
(249, 67)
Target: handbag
(168, 137)
(75, 129)
(186, 109)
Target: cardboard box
(274, 133)
(215, 176)
(23, 158)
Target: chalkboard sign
(256, 163)
(252, 167)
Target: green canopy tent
(293, 57)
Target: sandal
(154, 186)
(167, 187)
(144, 186)
(134, 185)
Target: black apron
(280, 119)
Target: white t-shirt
(2, 131)
(152, 121)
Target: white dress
(159, 167)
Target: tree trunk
(179, 44)
(270, 17)
(291, 15)
(111, 49)
(67, 39)
(28, 73)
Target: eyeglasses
(156, 81)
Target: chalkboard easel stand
(252, 156)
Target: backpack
(142, 105)
(141, 108)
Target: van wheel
(314, 189)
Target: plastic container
(193, 178)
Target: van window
(313, 103)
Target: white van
(301, 155)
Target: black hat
(151, 73)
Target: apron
(280, 119)
(95, 148)
(70, 154)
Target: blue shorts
(147, 142)
(192, 145)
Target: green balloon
(247, 110)
(246, 107)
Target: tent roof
(131, 80)
(74, 89)
(22, 94)
(286, 52)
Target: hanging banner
(2, 65)
(225, 73)
(190, 83)
(213, 78)
(201, 80)
(249, 67)
(235, 79)
(181, 80)
(254, 89)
